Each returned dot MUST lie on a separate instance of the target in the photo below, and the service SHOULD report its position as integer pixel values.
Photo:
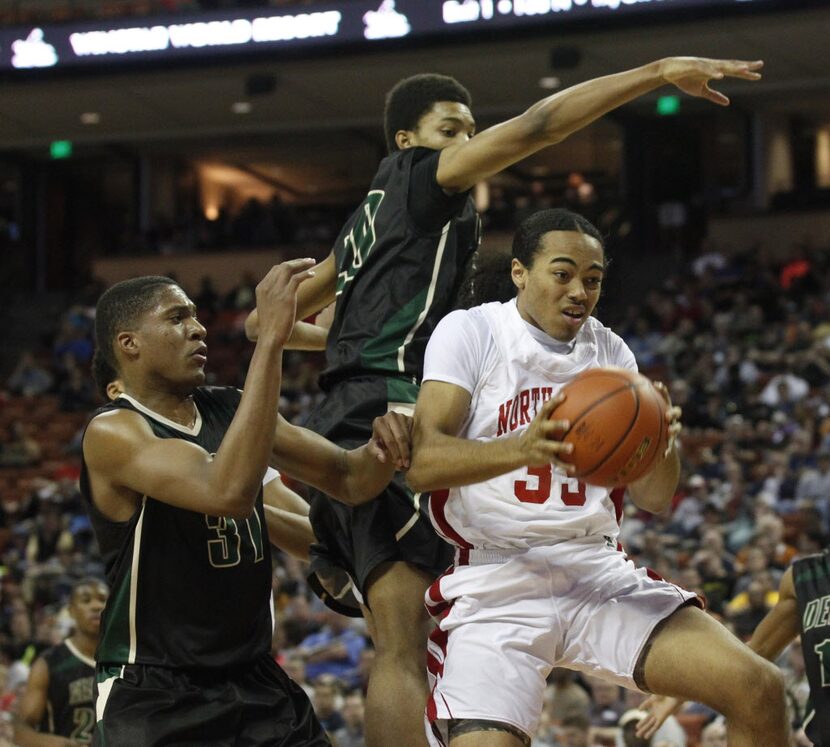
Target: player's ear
(403, 139)
(127, 343)
(518, 273)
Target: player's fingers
(384, 437)
(376, 451)
(716, 97)
(746, 70)
(550, 405)
(647, 727)
(398, 438)
(551, 428)
(400, 432)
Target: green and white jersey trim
(78, 655)
(134, 571)
(439, 255)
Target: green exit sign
(60, 149)
(668, 105)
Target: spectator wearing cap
(713, 735)
(628, 726)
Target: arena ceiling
(340, 98)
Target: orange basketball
(618, 425)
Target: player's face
(171, 338)
(86, 606)
(447, 123)
(560, 289)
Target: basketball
(618, 425)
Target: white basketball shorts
(508, 618)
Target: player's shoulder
(113, 432)
(477, 320)
(604, 335)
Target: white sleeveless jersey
(528, 507)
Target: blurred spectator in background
(327, 701)
(351, 733)
(333, 650)
(18, 448)
(29, 378)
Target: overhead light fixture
(90, 118)
(549, 82)
(241, 107)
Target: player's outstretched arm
(440, 459)
(554, 118)
(352, 476)
(32, 708)
(314, 295)
(126, 460)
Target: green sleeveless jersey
(400, 258)
(187, 589)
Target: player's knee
(762, 693)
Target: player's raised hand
(392, 439)
(540, 444)
(693, 75)
(276, 298)
(673, 415)
(659, 708)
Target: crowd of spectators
(743, 340)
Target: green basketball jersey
(187, 589)
(400, 258)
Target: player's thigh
(395, 593)
(694, 657)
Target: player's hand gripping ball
(618, 426)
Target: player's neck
(86, 644)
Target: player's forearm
(26, 736)
(576, 107)
(655, 491)
(364, 476)
(777, 630)
(441, 461)
(242, 458)
(290, 532)
(307, 336)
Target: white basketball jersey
(530, 506)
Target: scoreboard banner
(358, 23)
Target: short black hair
(411, 98)
(529, 234)
(86, 581)
(120, 308)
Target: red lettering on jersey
(541, 492)
(524, 404)
(573, 497)
(504, 411)
(534, 400)
(514, 414)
